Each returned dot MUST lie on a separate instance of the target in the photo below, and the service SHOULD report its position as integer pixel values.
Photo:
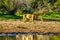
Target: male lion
(31, 17)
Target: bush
(18, 13)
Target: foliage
(55, 37)
(16, 7)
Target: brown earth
(36, 26)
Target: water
(28, 37)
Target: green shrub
(18, 13)
(55, 37)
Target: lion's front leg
(32, 18)
(24, 17)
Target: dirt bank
(36, 26)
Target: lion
(31, 17)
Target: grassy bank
(48, 16)
(6, 17)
